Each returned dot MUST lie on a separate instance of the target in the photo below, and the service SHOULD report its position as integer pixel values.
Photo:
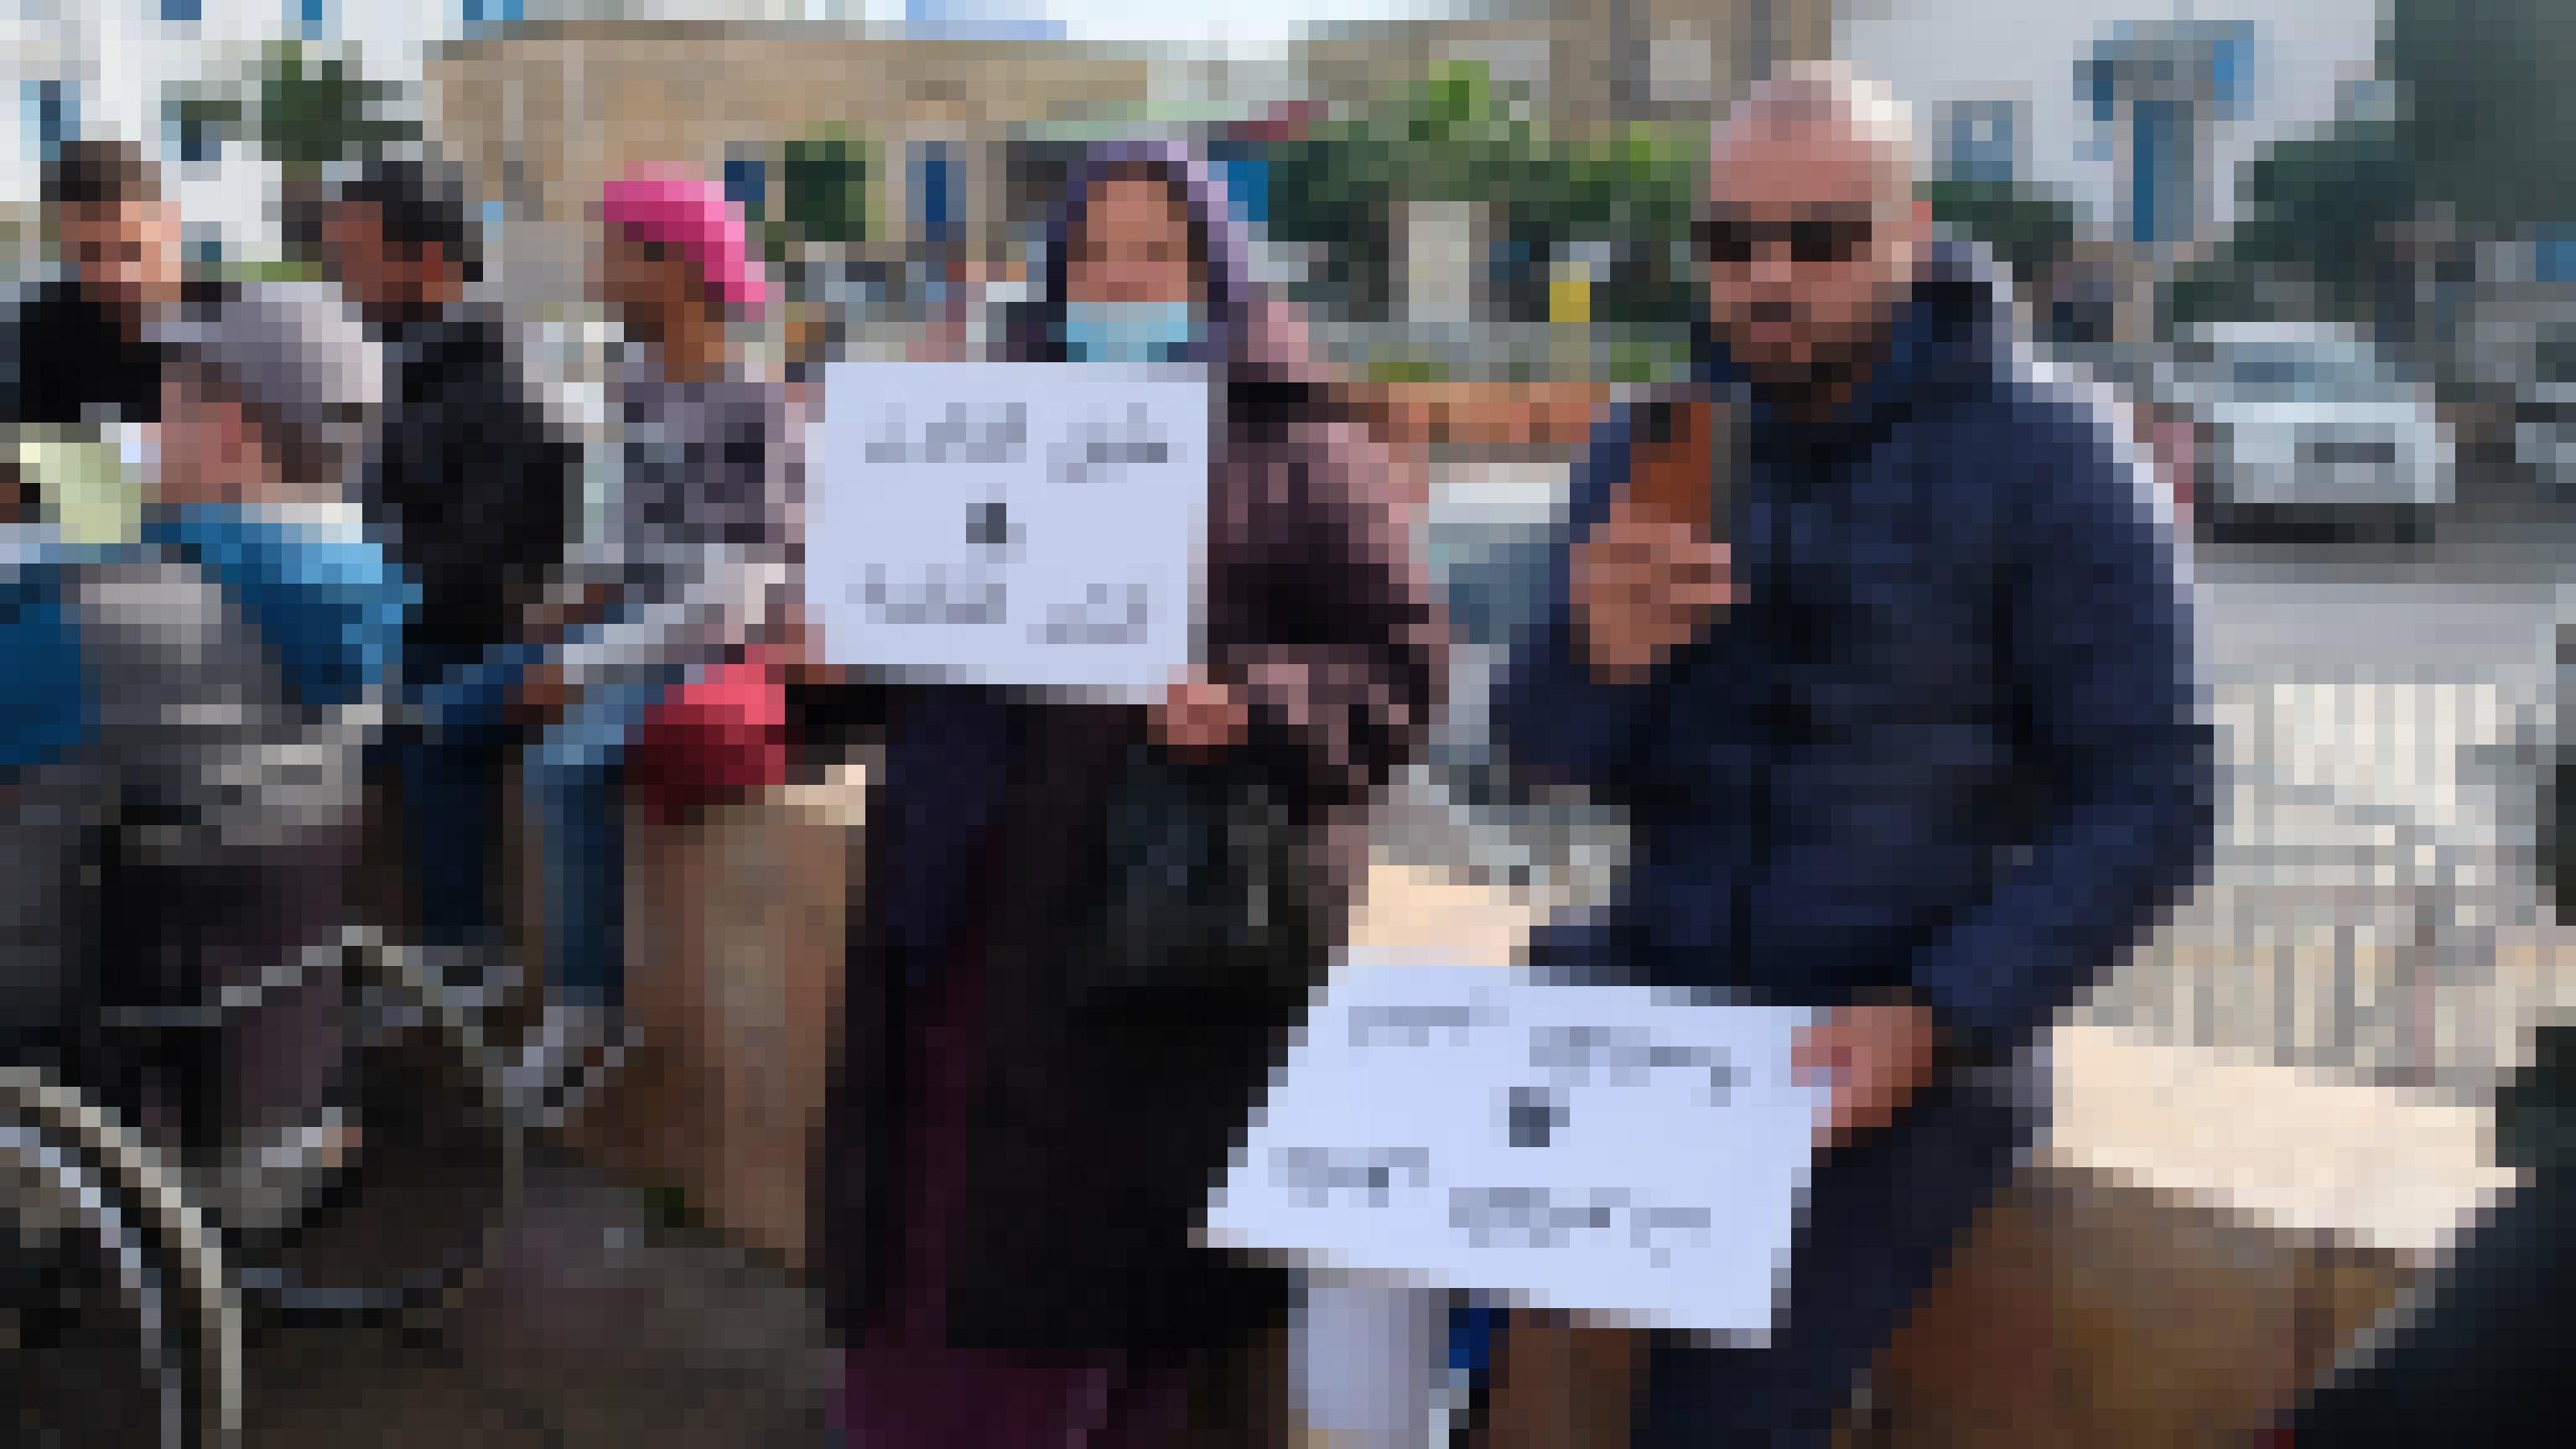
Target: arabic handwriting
(1088, 622)
(959, 434)
(1321, 1174)
(936, 598)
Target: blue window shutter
(745, 183)
(53, 115)
(2151, 160)
(2554, 257)
(1247, 185)
(2231, 66)
(2093, 87)
(187, 137)
(182, 12)
(309, 17)
(936, 204)
(1981, 142)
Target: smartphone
(1688, 464)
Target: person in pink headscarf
(694, 573)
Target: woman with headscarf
(1049, 1043)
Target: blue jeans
(571, 786)
(451, 766)
(1883, 1217)
(573, 789)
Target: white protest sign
(1027, 524)
(1610, 1150)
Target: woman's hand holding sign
(1200, 716)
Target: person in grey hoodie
(181, 788)
(696, 563)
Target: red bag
(719, 737)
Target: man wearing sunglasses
(1875, 641)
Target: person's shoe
(273, 1181)
(567, 1060)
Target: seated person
(692, 574)
(184, 813)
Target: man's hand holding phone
(1644, 587)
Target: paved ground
(588, 1325)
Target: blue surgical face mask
(1130, 332)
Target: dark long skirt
(907, 1388)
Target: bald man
(1877, 643)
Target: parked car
(2544, 423)
(2310, 424)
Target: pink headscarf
(673, 209)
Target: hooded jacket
(207, 703)
(1946, 740)
(469, 487)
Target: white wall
(743, 11)
(1932, 52)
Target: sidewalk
(588, 1327)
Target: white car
(2544, 428)
(2310, 423)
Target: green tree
(1635, 190)
(1460, 136)
(2030, 232)
(823, 189)
(2229, 286)
(313, 111)
(1336, 188)
(2317, 222)
(2484, 86)
(2328, 208)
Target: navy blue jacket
(1947, 739)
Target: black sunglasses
(1738, 241)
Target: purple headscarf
(1250, 335)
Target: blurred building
(1585, 68)
(546, 112)
(2141, 113)
(171, 76)
(737, 11)
(1585, 64)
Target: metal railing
(2348, 939)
